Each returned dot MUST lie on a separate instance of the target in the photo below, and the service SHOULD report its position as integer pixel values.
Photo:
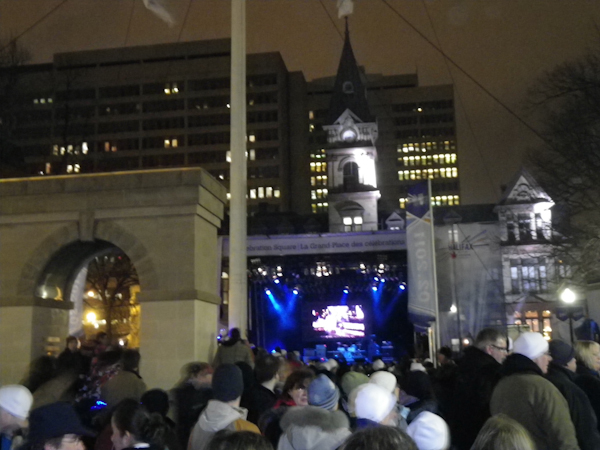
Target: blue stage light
(402, 287)
(276, 281)
(383, 280)
(295, 291)
(268, 291)
(375, 278)
(374, 288)
(346, 291)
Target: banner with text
(421, 288)
(323, 243)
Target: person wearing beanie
(322, 392)
(389, 382)
(56, 427)
(524, 395)
(223, 411)
(378, 364)
(561, 373)
(351, 380)
(375, 406)
(15, 403)
(430, 432)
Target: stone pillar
(174, 333)
(29, 330)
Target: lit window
(252, 138)
(107, 146)
(313, 195)
(358, 220)
(174, 143)
(174, 89)
(269, 191)
(229, 196)
(252, 154)
(167, 143)
(50, 100)
(84, 148)
(228, 105)
(311, 128)
(311, 115)
(347, 220)
(42, 101)
(454, 172)
(168, 88)
(55, 150)
(48, 168)
(313, 181)
(314, 208)
(36, 101)
(70, 168)
(252, 193)
(276, 193)
(228, 156)
(113, 148)
(261, 192)
(76, 168)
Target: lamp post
(568, 297)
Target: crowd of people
(536, 395)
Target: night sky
(504, 44)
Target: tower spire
(349, 90)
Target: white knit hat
(373, 402)
(16, 400)
(531, 344)
(378, 364)
(384, 379)
(416, 366)
(429, 431)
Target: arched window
(350, 176)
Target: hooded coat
(313, 428)
(582, 413)
(526, 396)
(233, 351)
(215, 417)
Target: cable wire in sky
(462, 103)
(35, 24)
(467, 74)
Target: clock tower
(351, 153)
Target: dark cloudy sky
(504, 44)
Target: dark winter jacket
(231, 352)
(189, 403)
(527, 397)
(589, 382)
(313, 428)
(582, 414)
(478, 374)
(260, 400)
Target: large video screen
(336, 322)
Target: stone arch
(137, 252)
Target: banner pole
(434, 265)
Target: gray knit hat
(322, 392)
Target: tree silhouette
(112, 276)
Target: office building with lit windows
(166, 106)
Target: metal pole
(434, 265)
(238, 299)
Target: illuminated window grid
(424, 174)
(437, 200)
(320, 207)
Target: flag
(158, 7)
(345, 8)
(419, 245)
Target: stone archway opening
(101, 284)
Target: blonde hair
(584, 352)
(500, 432)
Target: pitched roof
(349, 91)
(524, 189)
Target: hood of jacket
(218, 415)
(517, 363)
(311, 427)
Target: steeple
(349, 90)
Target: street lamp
(568, 297)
